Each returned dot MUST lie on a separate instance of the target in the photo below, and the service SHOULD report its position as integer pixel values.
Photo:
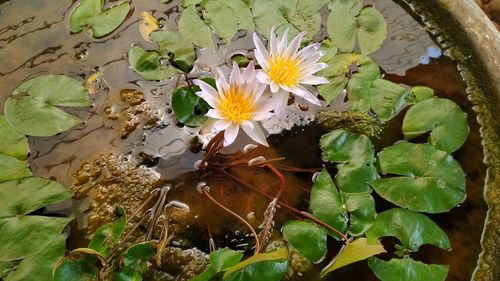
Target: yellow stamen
(284, 70)
(236, 106)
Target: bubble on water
(441, 183)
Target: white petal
(313, 80)
(230, 134)
(209, 94)
(214, 113)
(255, 132)
(221, 82)
(294, 45)
(259, 91)
(262, 115)
(261, 53)
(272, 42)
(234, 77)
(248, 76)
(311, 69)
(283, 43)
(263, 77)
(247, 123)
(308, 51)
(274, 87)
(305, 94)
(280, 103)
(221, 125)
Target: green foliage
(271, 266)
(81, 265)
(11, 168)
(407, 269)
(421, 93)
(362, 213)
(220, 261)
(354, 178)
(147, 64)
(428, 179)
(135, 262)
(341, 146)
(442, 117)
(411, 228)
(171, 42)
(12, 143)
(347, 22)
(33, 108)
(108, 235)
(101, 22)
(188, 107)
(308, 239)
(195, 29)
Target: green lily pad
(82, 265)
(308, 239)
(271, 266)
(407, 269)
(383, 97)
(340, 146)
(329, 48)
(326, 204)
(361, 210)
(171, 42)
(354, 251)
(188, 107)
(147, 64)
(41, 264)
(195, 29)
(354, 178)
(372, 30)
(429, 180)
(33, 108)
(443, 118)
(106, 236)
(220, 260)
(421, 93)
(12, 143)
(12, 169)
(135, 262)
(411, 228)
(226, 17)
(341, 25)
(90, 13)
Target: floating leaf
(341, 25)
(354, 178)
(135, 262)
(443, 118)
(329, 48)
(372, 30)
(407, 269)
(108, 235)
(33, 108)
(90, 13)
(82, 265)
(41, 264)
(12, 143)
(194, 29)
(361, 210)
(186, 3)
(148, 25)
(226, 17)
(421, 93)
(341, 146)
(270, 266)
(172, 42)
(220, 260)
(411, 228)
(147, 64)
(188, 107)
(326, 204)
(12, 169)
(308, 239)
(429, 180)
(354, 251)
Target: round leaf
(407, 269)
(227, 17)
(83, 12)
(308, 239)
(194, 29)
(421, 93)
(341, 146)
(12, 169)
(362, 213)
(354, 178)
(147, 64)
(326, 204)
(188, 107)
(411, 228)
(429, 180)
(33, 108)
(12, 143)
(372, 30)
(341, 25)
(174, 42)
(444, 118)
(109, 20)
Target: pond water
(131, 143)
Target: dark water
(34, 40)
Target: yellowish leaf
(148, 25)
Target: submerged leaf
(444, 119)
(147, 64)
(407, 269)
(411, 228)
(33, 108)
(194, 29)
(108, 235)
(352, 252)
(271, 266)
(428, 179)
(307, 238)
(12, 143)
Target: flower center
(236, 106)
(284, 70)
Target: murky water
(146, 143)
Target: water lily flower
(286, 69)
(239, 103)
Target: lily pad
(308, 239)
(444, 119)
(326, 204)
(108, 235)
(428, 179)
(220, 260)
(361, 210)
(411, 228)
(372, 30)
(90, 13)
(355, 178)
(147, 64)
(33, 108)
(354, 251)
(407, 269)
(171, 42)
(135, 262)
(12, 169)
(12, 143)
(341, 25)
(421, 93)
(340, 146)
(271, 266)
(81, 265)
(188, 107)
(195, 29)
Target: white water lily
(239, 103)
(286, 69)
